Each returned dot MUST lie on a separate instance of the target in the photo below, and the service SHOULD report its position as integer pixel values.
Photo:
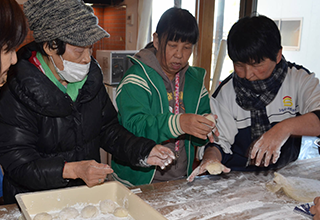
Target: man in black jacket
(55, 113)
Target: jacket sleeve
(204, 108)
(141, 114)
(19, 157)
(121, 143)
(226, 125)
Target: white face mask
(72, 72)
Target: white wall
(309, 10)
(132, 28)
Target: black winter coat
(41, 128)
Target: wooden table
(236, 195)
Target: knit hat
(68, 20)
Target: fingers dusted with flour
(160, 156)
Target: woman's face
(75, 54)
(8, 58)
(175, 57)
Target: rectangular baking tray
(54, 200)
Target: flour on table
(299, 189)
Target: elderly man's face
(256, 71)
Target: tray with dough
(52, 202)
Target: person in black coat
(11, 17)
(55, 114)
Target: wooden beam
(247, 7)
(202, 54)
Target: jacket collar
(35, 90)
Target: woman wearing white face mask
(55, 113)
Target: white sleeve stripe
(134, 80)
(204, 92)
(178, 124)
(174, 125)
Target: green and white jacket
(143, 109)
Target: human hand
(268, 146)
(91, 172)
(160, 156)
(315, 210)
(198, 126)
(213, 167)
(213, 135)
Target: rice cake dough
(300, 189)
(107, 206)
(89, 211)
(43, 216)
(120, 212)
(214, 168)
(68, 213)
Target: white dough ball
(214, 168)
(43, 216)
(89, 211)
(107, 206)
(120, 212)
(68, 213)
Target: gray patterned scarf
(256, 95)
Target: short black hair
(252, 39)
(53, 44)
(13, 25)
(177, 24)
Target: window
(290, 30)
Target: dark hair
(252, 39)
(177, 24)
(13, 25)
(53, 44)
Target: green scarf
(72, 89)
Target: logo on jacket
(287, 101)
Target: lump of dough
(68, 213)
(214, 168)
(120, 212)
(89, 211)
(107, 206)
(211, 118)
(300, 189)
(43, 216)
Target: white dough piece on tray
(43, 216)
(107, 206)
(120, 212)
(68, 213)
(89, 211)
(300, 189)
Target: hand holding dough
(214, 133)
(215, 168)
